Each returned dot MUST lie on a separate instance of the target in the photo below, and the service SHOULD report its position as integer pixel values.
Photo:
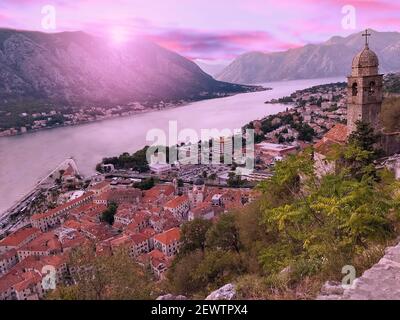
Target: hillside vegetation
(392, 83)
(391, 114)
(300, 233)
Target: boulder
(330, 288)
(171, 297)
(227, 292)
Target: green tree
(199, 273)
(109, 213)
(224, 234)
(359, 155)
(319, 227)
(146, 184)
(137, 161)
(182, 278)
(391, 114)
(180, 183)
(306, 133)
(364, 137)
(194, 235)
(103, 277)
(286, 183)
(234, 180)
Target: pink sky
(210, 30)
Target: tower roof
(366, 59)
(365, 63)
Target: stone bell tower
(364, 90)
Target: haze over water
(25, 159)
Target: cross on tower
(366, 35)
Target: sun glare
(119, 35)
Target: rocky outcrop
(227, 292)
(171, 297)
(381, 282)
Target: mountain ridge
(80, 69)
(313, 60)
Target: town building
(8, 260)
(44, 245)
(53, 218)
(179, 206)
(324, 148)
(168, 242)
(265, 149)
(160, 168)
(202, 211)
(18, 239)
(197, 193)
(222, 147)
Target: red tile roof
(156, 191)
(73, 224)
(77, 240)
(9, 280)
(156, 254)
(202, 209)
(30, 278)
(100, 185)
(337, 134)
(124, 213)
(45, 242)
(138, 238)
(104, 196)
(18, 237)
(56, 260)
(176, 202)
(148, 233)
(55, 211)
(169, 236)
(38, 262)
(120, 241)
(9, 254)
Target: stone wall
(391, 143)
(381, 282)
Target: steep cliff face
(329, 59)
(77, 68)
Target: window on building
(371, 90)
(354, 89)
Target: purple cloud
(198, 29)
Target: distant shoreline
(134, 113)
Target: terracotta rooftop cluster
(147, 225)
